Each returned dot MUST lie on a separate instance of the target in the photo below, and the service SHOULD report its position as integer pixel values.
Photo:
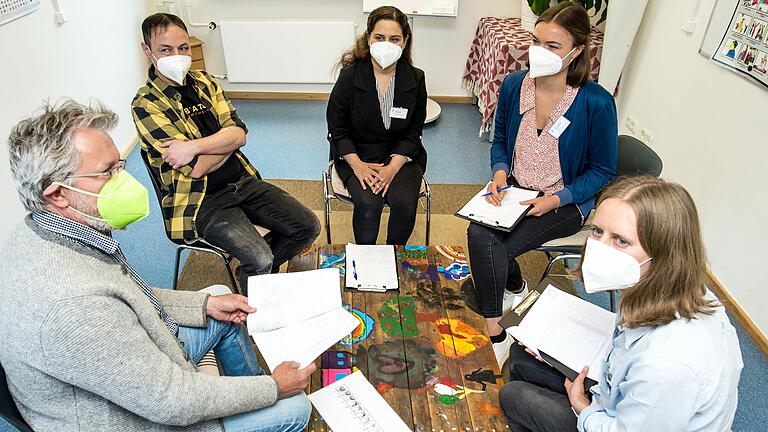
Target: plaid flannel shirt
(159, 117)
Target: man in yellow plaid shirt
(190, 139)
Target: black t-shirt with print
(208, 124)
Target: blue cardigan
(587, 147)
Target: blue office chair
(10, 417)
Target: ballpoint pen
(497, 190)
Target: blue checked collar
(76, 232)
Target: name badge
(398, 113)
(558, 127)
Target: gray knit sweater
(85, 350)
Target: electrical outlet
(646, 137)
(631, 124)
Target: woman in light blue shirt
(674, 362)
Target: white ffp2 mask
(544, 62)
(385, 53)
(174, 67)
(605, 268)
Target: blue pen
(497, 190)
(354, 270)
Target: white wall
(710, 128)
(441, 44)
(95, 54)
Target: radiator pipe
(188, 5)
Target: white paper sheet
(571, 330)
(352, 404)
(370, 266)
(286, 298)
(305, 341)
(504, 216)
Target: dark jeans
(535, 398)
(402, 198)
(492, 252)
(226, 219)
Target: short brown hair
(669, 232)
(161, 21)
(361, 51)
(575, 20)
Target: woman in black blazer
(375, 116)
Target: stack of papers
(298, 315)
(371, 268)
(571, 330)
(352, 404)
(503, 217)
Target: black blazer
(354, 116)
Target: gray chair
(199, 245)
(8, 411)
(334, 189)
(634, 158)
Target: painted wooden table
(424, 348)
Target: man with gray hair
(87, 345)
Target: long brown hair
(575, 20)
(669, 232)
(360, 51)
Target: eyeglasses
(114, 170)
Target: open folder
(371, 267)
(566, 331)
(298, 315)
(503, 217)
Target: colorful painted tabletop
(424, 348)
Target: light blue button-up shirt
(682, 376)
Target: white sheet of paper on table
(371, 266)
(286, 298)
(305, 341)
(505, 215)
(352, 404)
(570, 329)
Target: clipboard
(381, 268)
(565, 370)
(516, 315)
(491, 223)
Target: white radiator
(284, 51)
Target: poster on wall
(744, 46)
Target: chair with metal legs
(334, 189)
(198, 245)
(634, 158)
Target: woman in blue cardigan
(556, 132)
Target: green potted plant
(531, 9)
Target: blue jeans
(236, 357)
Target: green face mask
(121, 201)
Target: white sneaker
(501, 350)
(511, 299)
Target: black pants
(535, 398)
(226, 219)
(402, 198)
(492, 252)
